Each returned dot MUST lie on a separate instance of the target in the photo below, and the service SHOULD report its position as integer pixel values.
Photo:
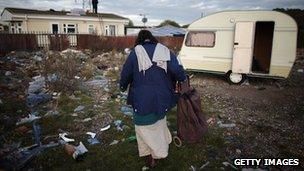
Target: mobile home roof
(227, 19)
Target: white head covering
(160, 57)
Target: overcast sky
(182, 11)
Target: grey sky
(182, 11)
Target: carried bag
(190, 118)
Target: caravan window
(200, 39)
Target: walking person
(150, 72)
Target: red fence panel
(107, 43)
(10, 42)
(59, 42)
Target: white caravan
(240, 43)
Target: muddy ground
(268, 115)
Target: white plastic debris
(79, 108)
(62, 136)
(300, 70)
(37, 85)
(74, 114)
(192, 168)
(79, 150)
(114, 142)
(221, 125)
(31, 117)
(105, 128)
(204, 165)
(8, 73)
(92, 134)
(37, 58)
(145, 168)
(127, 50)
(52, 113)
(87, 120)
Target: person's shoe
(151, 161)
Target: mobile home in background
(240, 43)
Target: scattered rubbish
(192, 168)
(177, 141)
(145, 168)
(86, 119)
(79, 108)
(106, 89)
(238, 151)
(8, 73)
(37, 85)
(93, 139)
(127, 50)
(230, 139)
(105, 128)
(62, 136)
(221, 125)
(131, 138)
(204, 165)
(31, 117)
(52, 78)
(77, 77)
(228, 164)
(301, 70)
(35, 99)
(100, 82)
(80, 150)
(37, 58)
(52, 113)
(119, 125)
(74, 114)
(92, 134)
(114, 142)
(75, 152)
(127, 110)
(211, 121)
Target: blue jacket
(154, 91)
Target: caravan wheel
(235, 78)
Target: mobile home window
(110, 30)
(200, 39)
(70, 28)
(91, 29)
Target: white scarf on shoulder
(160, 57)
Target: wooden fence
(59, 42)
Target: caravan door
(243, 47)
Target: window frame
(67, 26)
(201, 31)
(91, 26)
(108, 30)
